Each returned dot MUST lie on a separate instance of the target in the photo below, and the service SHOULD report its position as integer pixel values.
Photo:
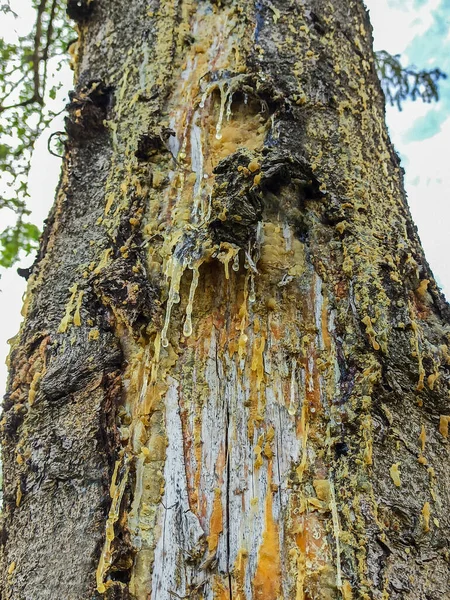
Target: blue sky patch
(431, 50)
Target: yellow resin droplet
(176, 270)
(228, 253)
(76, 316)
(347, 591)
(253, 166)
(243, 339)
(70, 306)
(395, 474)
(444, 422)
(116, 492)
(109, 203)
(426, 512)
(235, 265)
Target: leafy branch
(400, 83)
(26, 109)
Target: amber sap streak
(267, 579)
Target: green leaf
(21, 237)
(20, 126)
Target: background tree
(232, 377)
(27, 106)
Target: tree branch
(13, 87)
(36, 59)
(37, 44)
(46, 51)
(49, 35)
(23, 103)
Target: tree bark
(232, 377)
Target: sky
(418, 30)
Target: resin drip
(187, 328)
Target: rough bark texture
(232, 378)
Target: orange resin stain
(240, 568)
(310, 537)
(324, 322)
(426, 512)
(309, 358)
(303, 431)
(258, 360)
(216, 522)
(237, 323)
(312, 381)
(276, 331)
(267, 580)
(310, 553)
(347, 592)
(189, 450)
(256, 397)
(204, 326)
(155, 391)
(219, 324)
(220, 591)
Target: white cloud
(427, 178)
(396, 24)
(428, 185)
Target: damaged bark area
(87, 111)
(80, 10)
(217, 378)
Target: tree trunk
(232, 378)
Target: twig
(13, 87)
(23, 103)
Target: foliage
(26, 108)
(400, 83)
(26, 91)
